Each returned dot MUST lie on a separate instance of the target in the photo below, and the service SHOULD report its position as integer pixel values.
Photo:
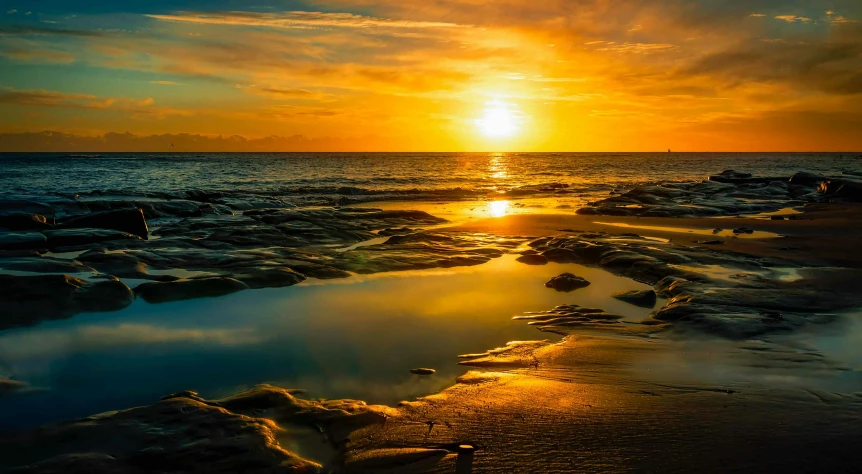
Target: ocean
(318, 179)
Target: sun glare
(499, 121)
(499, 208)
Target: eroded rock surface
(725, 194)
(186, 433)
(747, 298)
(26, 300)
(644, 298)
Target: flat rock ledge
(186, 433)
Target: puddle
(366, 243)
(784, 212)
(352, 338)
(64, 255)
(685, 230)
(718, 272)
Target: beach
(672, 323)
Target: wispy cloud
(793, 18)
(18, 30)
(299, 19)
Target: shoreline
(591, 387)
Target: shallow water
(757, 234)
(354, 338)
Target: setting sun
(499, 121)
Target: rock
(567, 282)
(710, 242)
(22, 241)
(844, 189)
(533, 259)
(26, 300)
(130, 221)
(175, 435)
(83, 237)
(743, 230)
(643, 299)
(423, 371)
(23, 221)
(567, 316)
(164, 292)
(268, 277)
(804, 178)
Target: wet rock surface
(746, 298)
(186, 433)
(26, 300)
(644, 299)
(569, 316)
(165, 292)
(725, 194)
(567, 282)
(130, 221)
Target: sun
(499, 121)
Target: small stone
(423, 371)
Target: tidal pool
(351, 338)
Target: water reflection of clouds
(93, 338)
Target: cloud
(636, 48)
(757, 15)
(165, 83)
(179, 142)
(299, 19)
(17, 30)
(793, 18)
(53, 99)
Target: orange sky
(438, 75)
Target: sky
(432, 75)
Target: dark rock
(83, 237)
(130, 221)
(39, 264)
(22, 241)
(804, 178)
(643, 299)
(174, 435)
(567, 282)
(710, 242)
(164, 292)
(423, 371)
(533, 259)
(22, 221)
(268, 277)
(844, 189)
(743, 230)
(26, 300)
